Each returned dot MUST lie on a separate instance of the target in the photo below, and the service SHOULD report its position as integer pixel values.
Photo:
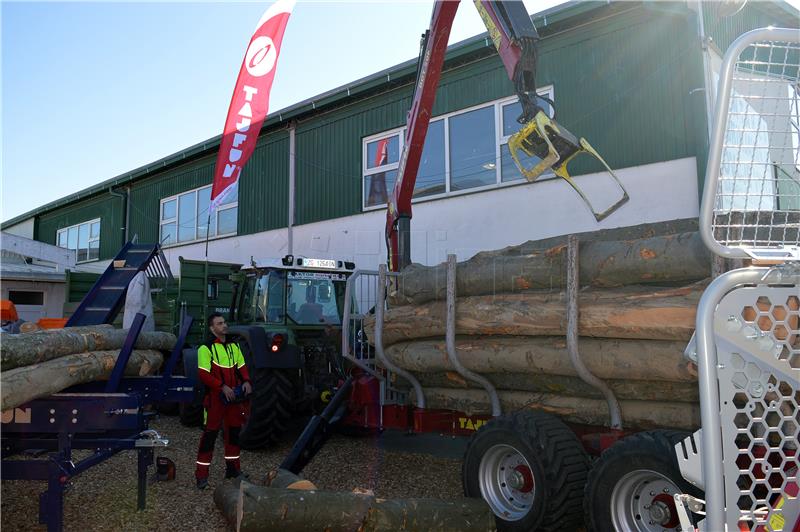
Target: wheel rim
(506, 482)
(642, 501)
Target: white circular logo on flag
(260, 57)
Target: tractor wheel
(531, 469)
(270, 408)
(632, 485)
(190, 414)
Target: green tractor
(288, 319)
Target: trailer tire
(616, 496)
(535, 458)
(270, 408)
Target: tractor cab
(298, 292)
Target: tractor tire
(632, 484)
(270, 409)
(531, 469)
(190, 414)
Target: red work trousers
(229, 417)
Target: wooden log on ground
(20, 385)
(676, 258)
(23, 350)
(649, 360)
(571, 386)
(630, 312)
(248, 508)
(637, 415)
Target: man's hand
(247, 388)
(229, 395)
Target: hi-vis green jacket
(220, 364)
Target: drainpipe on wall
(290, 223)
(125, 200)
(707, 73)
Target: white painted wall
(476, 222)
(54, 297)
(22, 229)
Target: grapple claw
(554, 147)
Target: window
(84, 238)
(24, 297)
(184, 217)
(461, 153)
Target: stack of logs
(45, 362)
(637, 303)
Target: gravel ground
(104, 497)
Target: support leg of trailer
(145, 459)
(51, 502)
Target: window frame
(89, 239)
(27, 291)
(174, 220)
(500, 140)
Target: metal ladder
(103, 302)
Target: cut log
(248, 507)
(572, 386)
(677, 258)
(636, 415)
(20, 385)
(23, 350)
(630, 312)
(649, 360)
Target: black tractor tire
(554, 470)
(190, 414)
(270, 408)
(633, 473)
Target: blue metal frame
(105, 417)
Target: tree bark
(254, 508)
(632, 312)
(636, 415)
(23, 350)
(571, 386)
(676, 258)
(645, 360)
(20, 385)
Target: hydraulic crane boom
(515, 38)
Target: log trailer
(739, 470)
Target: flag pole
(208, 229)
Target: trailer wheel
(631, 486)
(531, 470)
(270, 408)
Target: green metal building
(631, 77)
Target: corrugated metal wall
(631, 84)
(106, 207)
(264, 186)
(146, 195)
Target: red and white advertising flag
(250, 101)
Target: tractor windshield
(304, 298)
(315, 298)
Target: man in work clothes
(222, 369)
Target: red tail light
(277, 342)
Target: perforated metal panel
(758, 351)
(754, 164)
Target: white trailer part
(748, 337)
